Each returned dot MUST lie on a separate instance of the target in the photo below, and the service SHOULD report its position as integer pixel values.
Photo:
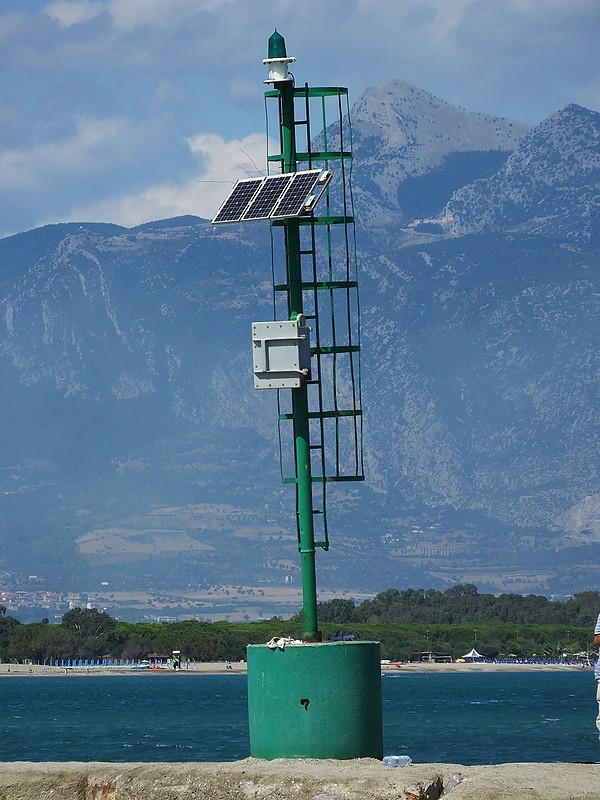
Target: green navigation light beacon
(310, 698)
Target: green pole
(300, 395)
(305, 515)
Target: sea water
(477, 718)
(492, 718)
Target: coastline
(395, 669)
(240, 668)
(302, 779)
(198, 668)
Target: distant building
(431, 658)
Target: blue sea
(480, 718)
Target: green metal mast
(277, 50)
(311, 699)
(307, 282)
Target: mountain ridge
(415, 134)
(135, 450)
(558, 169)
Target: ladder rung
(329, 351)
(350, 412)
(328, 479)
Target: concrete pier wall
(282, 779)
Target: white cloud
(130, 14)
(95, 144)
(42, 181)
(222, 163)
(72, 12)
(229, 159)
(433, 43)
(543, 6)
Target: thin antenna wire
(260, 171)
(246, 171)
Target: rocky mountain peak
(569, 138)
(401, 133)
(421, 129)
(550, 183)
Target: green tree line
(462, 603)
(404, 622)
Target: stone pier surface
(285, 779)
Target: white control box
(280, 354)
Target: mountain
(413, 150)
(135, 453)
(548, 187)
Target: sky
(128, 111)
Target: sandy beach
(208, 668)
(480, 667)
(239, 667)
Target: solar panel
(267, 197)
(274, 197)
(237, 202)
(293, 202)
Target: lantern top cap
(277, 45)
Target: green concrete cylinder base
(320, 700)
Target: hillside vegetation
(404, 622)
(462, 603)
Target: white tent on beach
(473, 655)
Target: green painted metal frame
(294, 289)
